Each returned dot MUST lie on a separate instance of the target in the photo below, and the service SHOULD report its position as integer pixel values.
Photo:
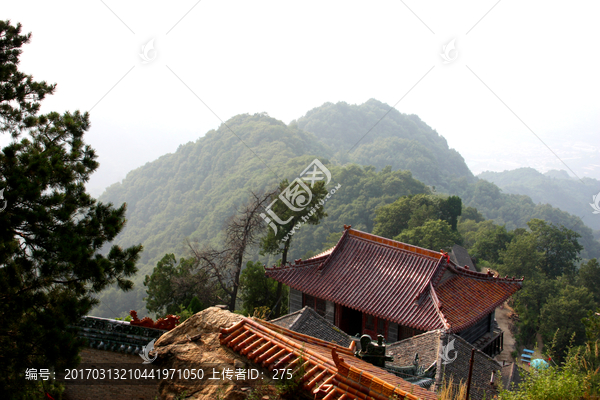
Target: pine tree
(51, 230)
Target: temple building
(368, 284)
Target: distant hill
(190, 193)
(554, 187)
(361, 134)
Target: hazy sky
(539, 60)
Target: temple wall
(295, 300)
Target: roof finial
(346, 227)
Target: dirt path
(505, 324)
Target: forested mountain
(399, 140)
(553, 187)
(189, 194)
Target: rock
(195, 345)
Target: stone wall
(426, 345)
(102, 359)
(295, 300)
(458, 369)
(330, 312)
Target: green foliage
(553, 187)
(413, 211)
(173, 288)
(401, 141)
(257, 290)
(52, 231)
(589, 276)
(311, 213)
(450, 210)
(191, 193)
(529, 301)
(490, 242)
(548, 384)
(565, 311)
(472, 214)
(559, 246)
(592, 325)
(514, 211)
(521, 257)
(434, 234)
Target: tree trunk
(236, 283)
(277, 310)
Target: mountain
(554, 187)
(190, 193)
(376, 134)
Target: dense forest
(189, 194)
(553, 187)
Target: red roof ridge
(482, 275)
(323, 253)
(394, 243)
(437, 304)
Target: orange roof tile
(332, 372)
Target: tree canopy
(51, 232)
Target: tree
(242, 233)
(490, 243)
(472, 214)
(279, 242)
(414, 211)
(564, 313)
(51, 231)
(257, 290)
(450, 210)
(241, 230)
(559, 246)
(521, 256)
(589, 276)
(529, 301)
(434, 234)
(171, 286)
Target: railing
(495, 346)
(120, 336)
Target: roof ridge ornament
(346, 227)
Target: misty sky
(537, 59)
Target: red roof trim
(395, 244)
(437, 304)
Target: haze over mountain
(190, 193)
(553, 187)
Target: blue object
(538, 363)
(528, 351)
(526, 356)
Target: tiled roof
(397, 282)
(332, 372)
(308, 322)
(461, 257)
(465, 299)
(430, 347)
